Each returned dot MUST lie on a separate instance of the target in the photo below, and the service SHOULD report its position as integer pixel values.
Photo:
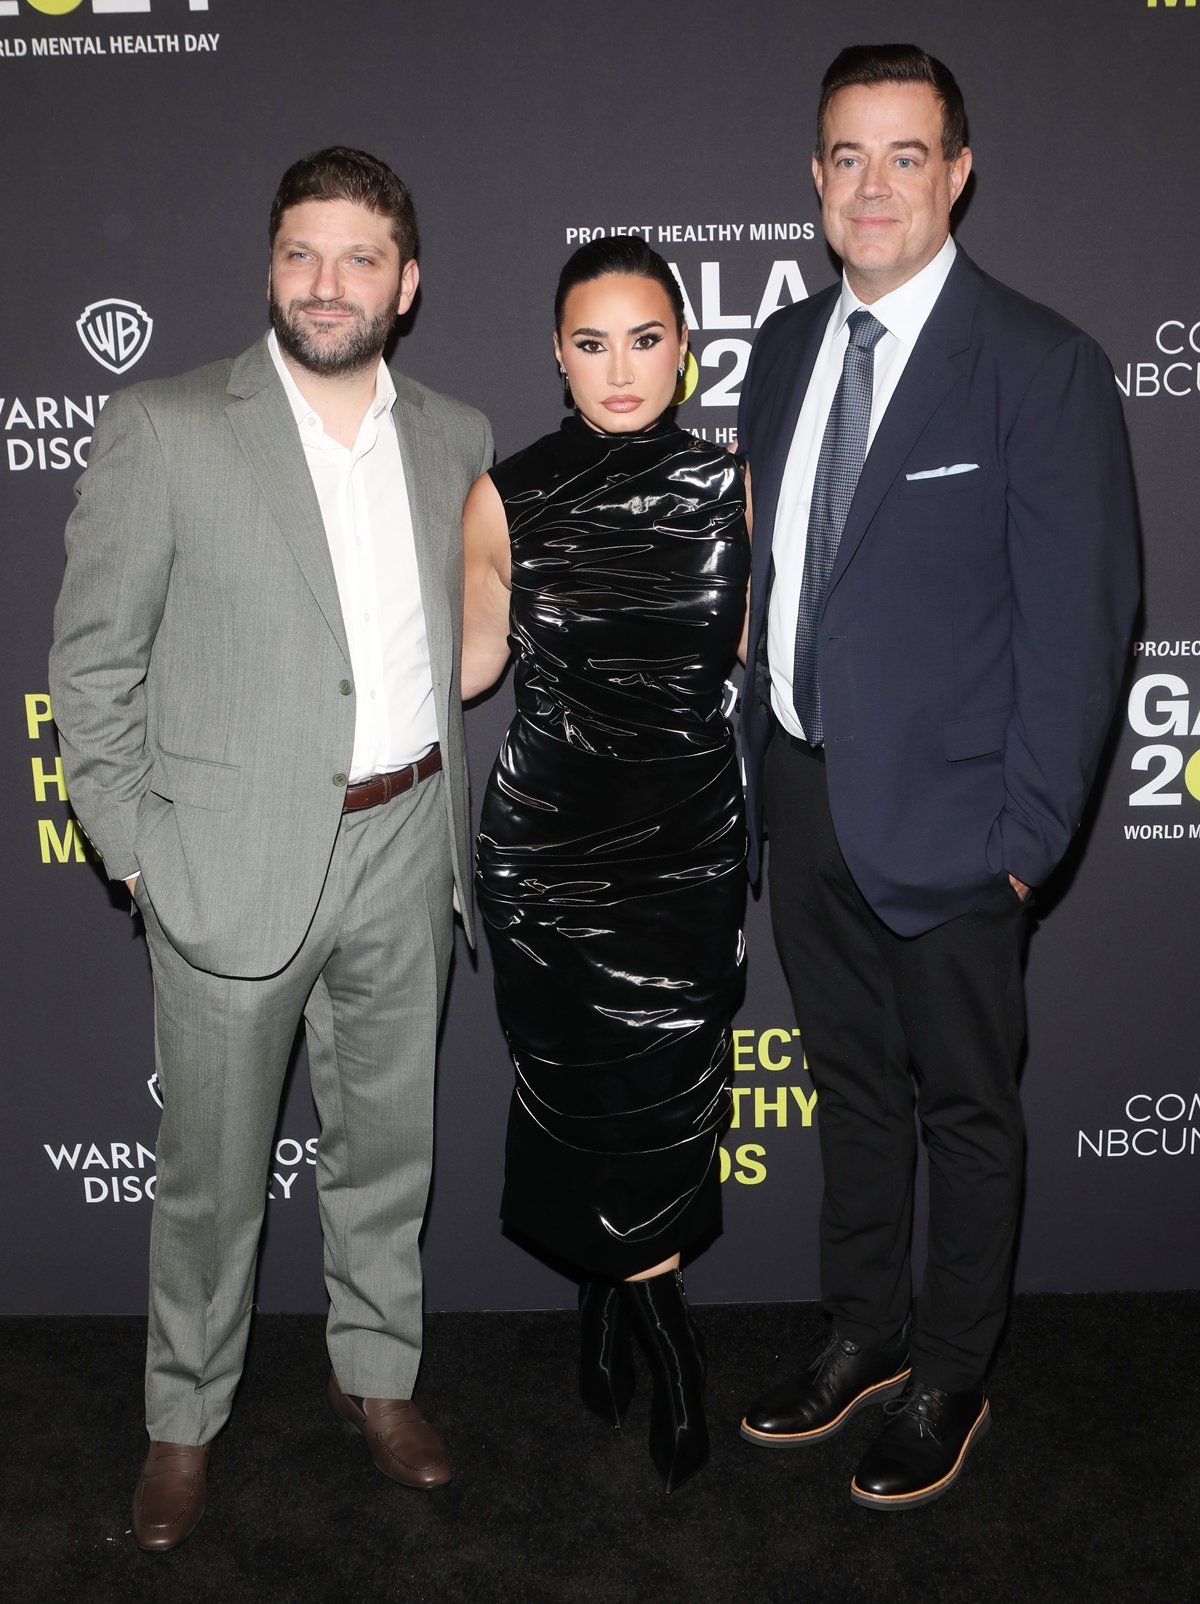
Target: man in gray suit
(255, 679)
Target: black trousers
(889, 1023)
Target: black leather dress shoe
(841, 1377)
(919, 1453)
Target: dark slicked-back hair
(339, 173)
(896, 64)
(627, 254)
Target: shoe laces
(834, 1349)
(924, 1404)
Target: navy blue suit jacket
(974, 631)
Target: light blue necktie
(843, 451)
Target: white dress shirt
(368, 523)
(903, 313)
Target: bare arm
(488, 583)
(746, 616)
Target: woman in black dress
(612, 557)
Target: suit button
(345, 687)
(339, 779)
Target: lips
(317, 309)
(622, 403)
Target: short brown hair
(339, 173)
(896, 64)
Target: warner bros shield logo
(115, 332)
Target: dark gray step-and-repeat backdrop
(142, 141)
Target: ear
(960, 170)
(683, 342)
(410, 277)
(557, 349)
(818, 178)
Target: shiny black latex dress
(611, 846)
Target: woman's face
(622, 353)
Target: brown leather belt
(382, 788)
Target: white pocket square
(944, 473)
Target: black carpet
(1086, 1487)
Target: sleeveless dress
(612, 840)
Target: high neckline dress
(612, 840)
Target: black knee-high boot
(606, 1377)
(663, 1322)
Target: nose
(620, 369)
(327, 282)
(873, 179)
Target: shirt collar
(904, 310)
(385, 390)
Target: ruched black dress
(611, 847)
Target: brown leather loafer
(402, 1443)
(169, 1497)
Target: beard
(331, 354)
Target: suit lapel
(265, 429)
(930, 372)
(426, 470)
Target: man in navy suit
(944, 580)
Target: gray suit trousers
(368, 982)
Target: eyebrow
(361, 247)
(638, 328)
(895, 144)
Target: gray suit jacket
(200, 676)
